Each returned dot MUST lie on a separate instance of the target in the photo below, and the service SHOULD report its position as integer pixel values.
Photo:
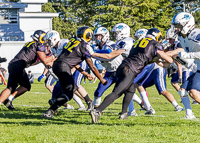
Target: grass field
(26, 125)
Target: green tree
(136, 13)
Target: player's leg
(195, 87)
(49, 83)
(160, 82)
(185, 99)
(174, 81)
(68, 86)
(110, 78)
(123, 83)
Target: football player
(141, 54)
(74, 52)
(183, 24)
(26, 57)
(124, 42)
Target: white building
(18, 21)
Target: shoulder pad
(62, 43)
(194, 35)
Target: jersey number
(143, 43)
(71, 44)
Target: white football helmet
(105, 35)
(165, 44)
(140, 33)
(183, 23)
(52, 37)
(122, 31)
(170, 34)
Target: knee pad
(182, 93)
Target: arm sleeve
(190, 55)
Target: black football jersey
(29, 53)
(74, 52)
(142, 53)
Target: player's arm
(164, 56)
(111, 55)
(89, 77)
(95, 71)
(175, 52)
(47, 60)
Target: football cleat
(69, 107)
(82, 109)
(150, 111)
(48, 114)
(190, 116)
(95, 114)
(123, 116)
(194, 102)
(133, 113)
(178, 108)
(90, 105)
(8, 104)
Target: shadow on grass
(32, 117)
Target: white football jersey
(192, 44)
(112, 65)
(126, 44)
(60, 47)
(190, 61)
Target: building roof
(38, 14)
(12, 5)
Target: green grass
(26, 125)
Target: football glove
(2, 60)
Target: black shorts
(17, 76)
(66, 79)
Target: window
(13, 38)
(8, 16)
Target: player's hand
(104, 82)
(89, 77)
(180, 80)
(40, 78)
(2, 60)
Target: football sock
(126, 101)
(78, 101)
(186, 103)
(174, 103)
(137, 99)
(145, 99)
(97, 101)
(87, 99)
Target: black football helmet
(38, 36)
(84, 33)
(155, 34)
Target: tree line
(136, 13)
